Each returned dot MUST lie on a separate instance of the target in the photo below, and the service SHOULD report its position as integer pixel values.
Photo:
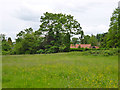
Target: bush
(86, 49)
(79, 49)
(53, 49)
(62, 48)
(5, 52)
(76, 49)
(48, 46)
(27, 52)
(47, 51)
(79, 46)
(41, 51)
(110, 52)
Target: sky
(93, 15)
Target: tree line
(55, 35)
(110, 39)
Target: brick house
(83, 46)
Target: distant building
(83, 46)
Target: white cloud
(95, 29)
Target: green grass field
(61, 70)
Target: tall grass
(61, 70)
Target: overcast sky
(93, 15)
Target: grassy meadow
(61, 70)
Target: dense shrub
(5, 52)
(50, 49)
(76, 49)
(110, 52)
(79, 49)
(62, 48)
(41, 51)
(86, 49)
(11, 52)
(27, 52)
(53, 49)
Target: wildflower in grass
(86, 79)
(115, 86)
(110, 81)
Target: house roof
(82, 46)
(85, 45)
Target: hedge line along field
(61, 70)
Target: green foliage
(93, 41)
(5, 52)
(58, 28)
(86, 40)
(67, 42)
(53, 49)
(28, 42)
(103, 40)
(53, 36)
(75, 41)
(10, 41)
(79, 46)
(49, 49)
(79, 49)
(112, 38)
(86, 49)
(62, 48)
(104, 52)
(5, 45)
(41, 51)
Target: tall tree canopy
(113, 37)
(28, 42)
(58, 28)
(10, 41)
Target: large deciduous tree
(58, 28)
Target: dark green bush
(6, 53)
(53, 49)
(76, 49)
(62, 48)
(79, 49)
(41, 51)
(110, 52)
(27, 52)
(86, 49)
